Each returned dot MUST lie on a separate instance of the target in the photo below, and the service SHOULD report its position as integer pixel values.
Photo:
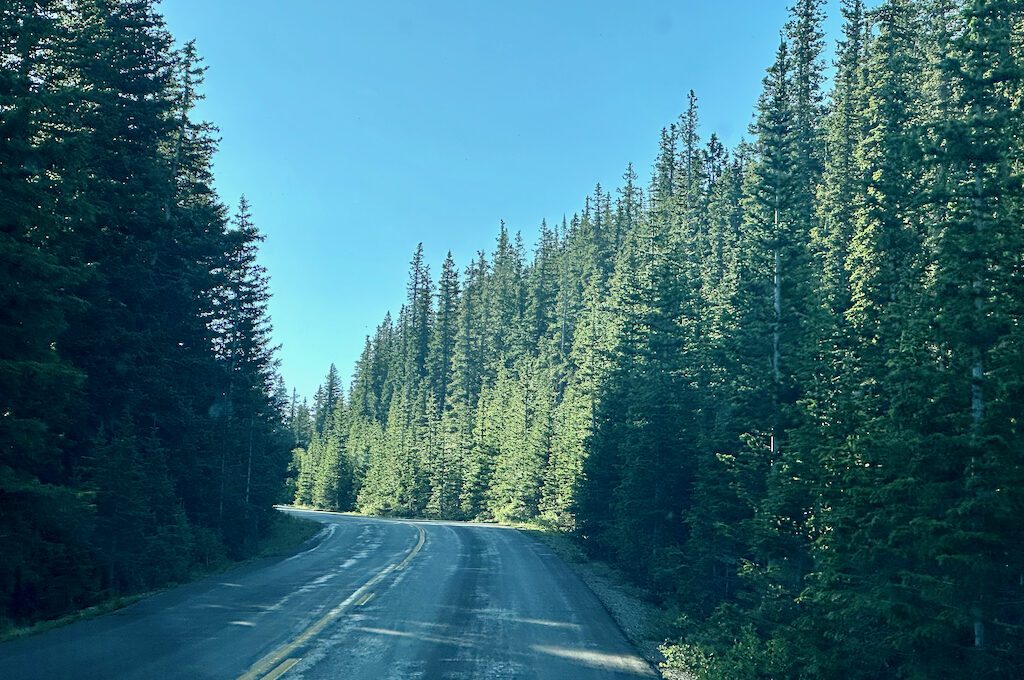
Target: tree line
(141, 415)
(782, 384)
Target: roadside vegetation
(778, 385)
(141, 433)
(285, 534)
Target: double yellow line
(279, 661)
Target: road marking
(272, 663)
(364, 599)
(281, 669)
(419, 544)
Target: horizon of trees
(141, 415)
(780, 385)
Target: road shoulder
(634, 610)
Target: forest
(142, 433)
(781, 385)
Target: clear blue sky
(358, 129)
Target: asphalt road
(369, 599)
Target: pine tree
(42, 524)
(842, 185)
(542, 287)
(480, 451)
(512, 487)
(328, 396)
(138, 380)
(573, 417)
(332, 487)
(628, 210)
(420, 307)
(442, 343)
(504, 302)
(974, 290)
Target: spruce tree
(443, 328)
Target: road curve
(370, 599)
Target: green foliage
(141, 434)
(523, 417)
(783, 387)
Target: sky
(359, 129)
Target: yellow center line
(275, 664)
(419, 544)
(281, 669)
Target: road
(369, 599)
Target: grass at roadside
(286, 533)
(10, 632)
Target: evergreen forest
(142, 433)
(780, 385)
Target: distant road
(371, 599)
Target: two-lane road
(372, 599)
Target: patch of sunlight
(323, 579)
(587, 657)
(416, 636)
(547, 623)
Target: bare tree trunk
(777, 304)
(977, 395)
(776, 333)
(223, 468)
(248, 470)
